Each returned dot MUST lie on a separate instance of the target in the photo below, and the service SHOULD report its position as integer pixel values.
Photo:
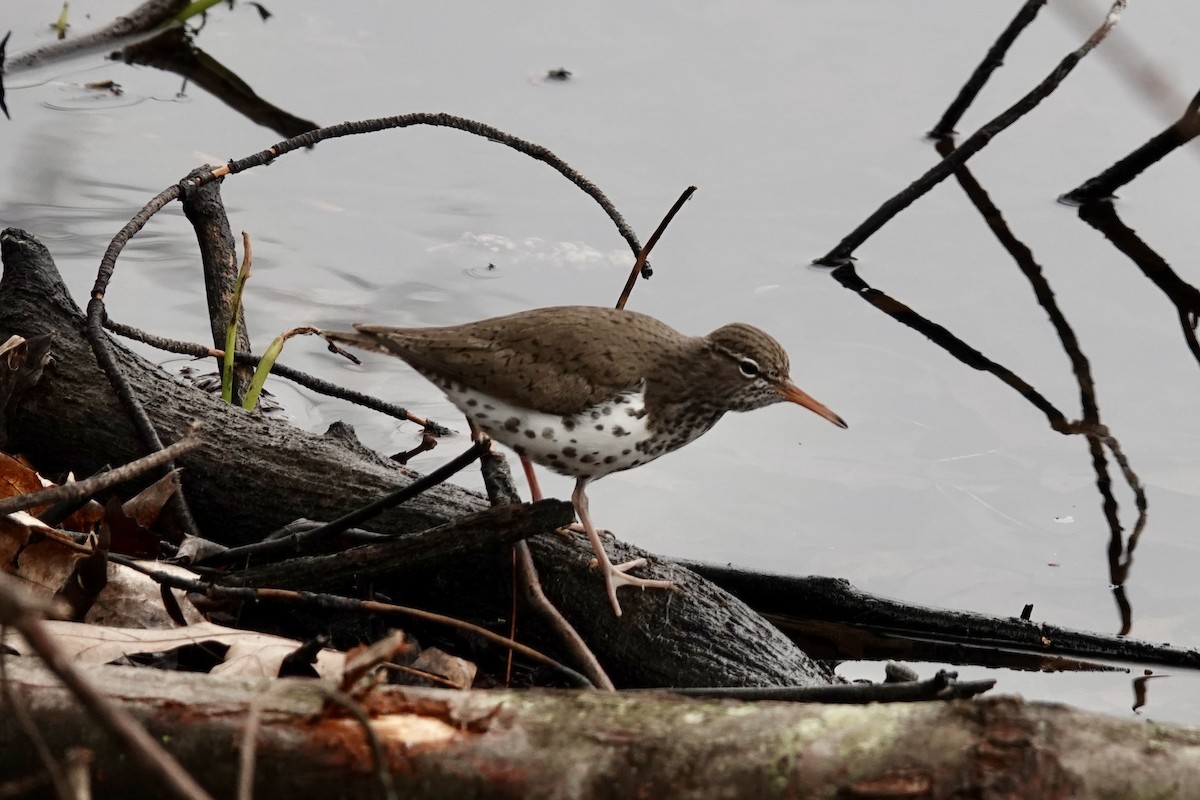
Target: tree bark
(545, 744)
(251, 475)
(218, 255)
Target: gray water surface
(795, 120)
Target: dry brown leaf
(250, 654)
(145, 507)
(44, 563)
(133, 600)
(12, 344)
(458, 671)
(84, 518)
(16, 478)
(130, 599)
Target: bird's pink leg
(614, 574)
(535, 492)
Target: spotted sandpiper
(588, 391)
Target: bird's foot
(616, 576)
(621, 577)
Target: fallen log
(541, 743)
(250, 475)
(794, 604)
(254, 474)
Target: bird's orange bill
(793, 394)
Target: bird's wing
(551, 359)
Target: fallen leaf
(249, 654)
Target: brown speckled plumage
(565, 360)
(559, 360)
(587, 391)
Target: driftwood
(538, 743)
(142, 20)
(807, 607)
(409, 554)
(250, 476)
(253, 475)
(218, 253)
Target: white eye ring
(748, 367)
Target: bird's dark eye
(748, 367)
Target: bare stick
(296, 542)
(341, 603)
(536, 597)
(501, 489)
(841, 254)
(644, 253)
(992, 61)
(143, 19)
(1089, 426)
(72, 492)
(578, 648)
(197, 350)
(1103, 186)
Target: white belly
(602, 440)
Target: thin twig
(992, 61)
(942, 686)
(312, 536)
(894, 308)
(644, 253)
(341, 603)
(575, 644)
(1187, 323)
(1105, 185)
(143, 19)
(425, 675)
(536, 597)
(502, 489)
(79, 490)
(197, 350)
(841, 254)
(1098, 435)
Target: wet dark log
(250, 476)
(794, 604)
(253, 475)
(439, 743)
(398, 556)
